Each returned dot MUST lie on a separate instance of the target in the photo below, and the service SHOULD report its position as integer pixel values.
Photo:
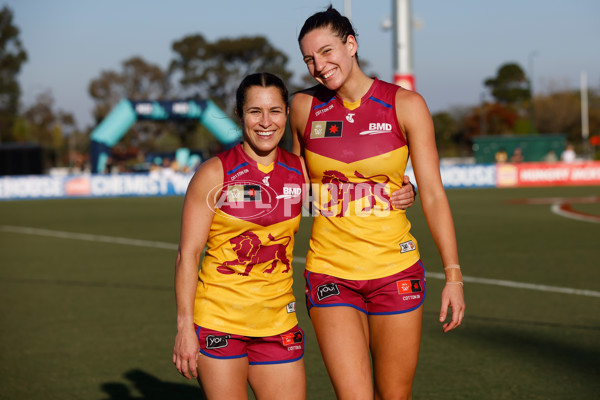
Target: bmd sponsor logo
(376, 128)
(290, 192)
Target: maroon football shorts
(277, 349)
(396, 294)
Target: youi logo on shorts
(376, 128)
(327, 290)
(217, 342)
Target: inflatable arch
(127, 112)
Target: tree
(137, 80)
(45, 125)
(498, 120)
(41, 118)
(560, 112)
(510, 86)
(451, 134)
(12, 57)
(208, 70)
(446, 129)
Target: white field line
(88, 237)
(520, 285)
(558, 210)
(299, 260)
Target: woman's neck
(263, 159)
(355, 87)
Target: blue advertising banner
(82, 186)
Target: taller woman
(365, 280)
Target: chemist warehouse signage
(125, 185)
(130, 185)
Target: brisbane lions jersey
(356, 156)
(245, 281)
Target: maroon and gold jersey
(356, 155)
(245, 281)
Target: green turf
(94, 320)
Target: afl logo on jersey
(239, 193)
(243, 199)
(326, 129)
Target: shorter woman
(236, 318)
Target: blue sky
(460, 43)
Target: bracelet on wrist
(453, 275)
(452, 266)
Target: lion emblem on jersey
(343, 192)
(250, 251)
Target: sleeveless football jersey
(356, 158)
(245, 281)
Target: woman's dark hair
(262, 79)
(332, 19)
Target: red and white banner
(548, 174)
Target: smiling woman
(364, 273)
(263, 120)
(236, 317)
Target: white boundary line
(88, 237)
(557, 209)
(521, 285)
(301, 260)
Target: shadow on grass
(542, 343)
(151, 388)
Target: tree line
(202, 69)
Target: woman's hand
(452, 298)
(404, 197)
(186, 352)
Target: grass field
(87, 305)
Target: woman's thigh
(343, 336)
(285, 381)
(223, 379)
(395, 344)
